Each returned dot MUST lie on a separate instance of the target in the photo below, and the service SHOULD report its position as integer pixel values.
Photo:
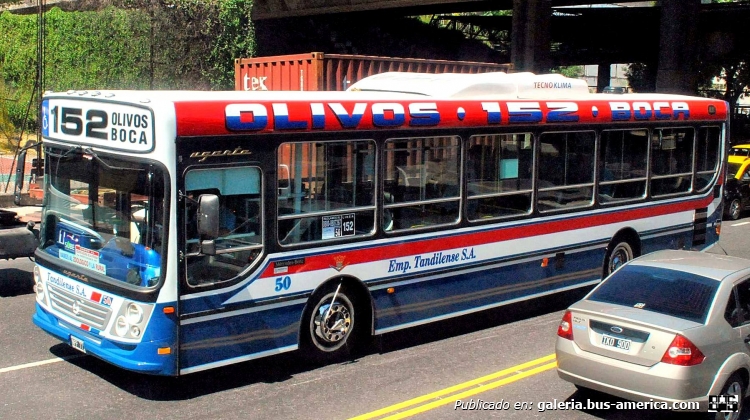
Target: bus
(183, 231)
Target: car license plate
(77, 344)
(618, 343)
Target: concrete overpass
(546, 33)
(671, 33)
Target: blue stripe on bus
(212, 340)
(209, 303)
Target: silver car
(668, 327)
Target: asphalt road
(500, 356)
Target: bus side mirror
(208, 222)
(21, 166)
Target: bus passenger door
(240, 239)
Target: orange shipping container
(319, 71)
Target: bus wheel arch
(331, 332)
(623, 247)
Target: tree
(641, 77)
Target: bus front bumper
(142, 357)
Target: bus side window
(672, 161)
(330, 192)
(499, 172)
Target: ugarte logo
(76, 275)
(202, 156)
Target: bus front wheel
(330, 324)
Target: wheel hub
(332, 322)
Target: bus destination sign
(116, 126)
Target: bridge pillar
(676, 72)
(530, 35)
(603, 76)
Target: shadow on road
(283, 367)
(14, 282)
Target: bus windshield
(105, 215)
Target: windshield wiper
(64, 154)
(90, 152)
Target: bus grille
(79, 308)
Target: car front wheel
(733, 209)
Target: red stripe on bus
(425, 246)
(206, 118)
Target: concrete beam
(676, 72)
(274, 9)
(530, 39)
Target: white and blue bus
(188, 230)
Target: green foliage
(234, 40)
(641, 77)
(6, 127)
(569, 71)
(124, 44)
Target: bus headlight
(134, 314)
(131, 320)
(38, 286)
(121, 326)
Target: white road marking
(40, 363)
(740, 224)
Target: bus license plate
(77, 344)
(618, 343)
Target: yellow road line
(479, 384)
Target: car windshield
(104, 215)
(739, 151)
(669, 292)
(733, 168)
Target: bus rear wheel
(617, 255)
(330, 325)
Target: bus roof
(474, 86)
(401, 101)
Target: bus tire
(618, 253)
(329, 331)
